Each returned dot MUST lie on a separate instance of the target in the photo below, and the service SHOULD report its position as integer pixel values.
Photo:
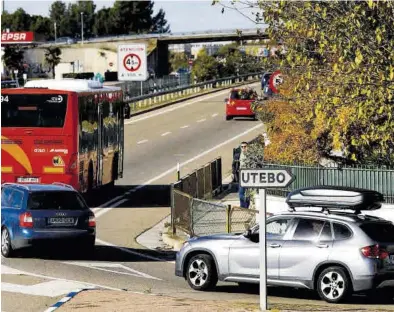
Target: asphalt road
(192, 133)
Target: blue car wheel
(6, 248)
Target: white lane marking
(201, 120)
(141, 142)
(116, 204)
(48, 289)
(131, 252)
(4, 267)
(214, 115)
(185, 126)
(199, 99)
(102, 265)
(165, 133)
(107, 203)
(171, 170)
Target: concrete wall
(277, 204)
(90, 59)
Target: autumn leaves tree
(339, 73)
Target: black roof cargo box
(335, 197)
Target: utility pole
(55, 32)
(82, 27)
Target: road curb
(159, 106)
(173, 241)
(65, 299)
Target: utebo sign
(132, 62)
(262, 179)
(266, 178)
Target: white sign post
(132, 62)
(262, 179)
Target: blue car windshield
(56, 200)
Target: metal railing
(134, 89)
(198, 217)
(202, 184)
(248, 31)
(373, 178)
(171, 94)
(194, 214)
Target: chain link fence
(194, 214)
(198, 217)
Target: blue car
(32, 213)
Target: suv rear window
(56, 200)
(379, 231)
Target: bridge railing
(167, 35)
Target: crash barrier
(372, 178)
(170, 93)
(197, 217)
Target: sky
(182, 15)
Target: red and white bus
(69, 131)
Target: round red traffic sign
(132, 62)
(275, 80)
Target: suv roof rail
(63, 184)
(17, 185)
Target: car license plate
(61, 220)
(28, 180)
(241, 108)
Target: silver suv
(333, 252)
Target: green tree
(205, 67)
(75, 11)
(160, 23)
(58, 14)
(178, 60)
(103, 24)
(339, 68)
(52, 57)
(13, 59)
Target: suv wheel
(201, 273)
(6, 248)
(333, 285)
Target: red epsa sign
(13, 37)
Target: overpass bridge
(183, 37)
(158, 52)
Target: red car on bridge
(238, 103)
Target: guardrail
(147, 100)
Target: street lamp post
(82, 26)
(55, 31)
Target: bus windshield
(33, 110)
